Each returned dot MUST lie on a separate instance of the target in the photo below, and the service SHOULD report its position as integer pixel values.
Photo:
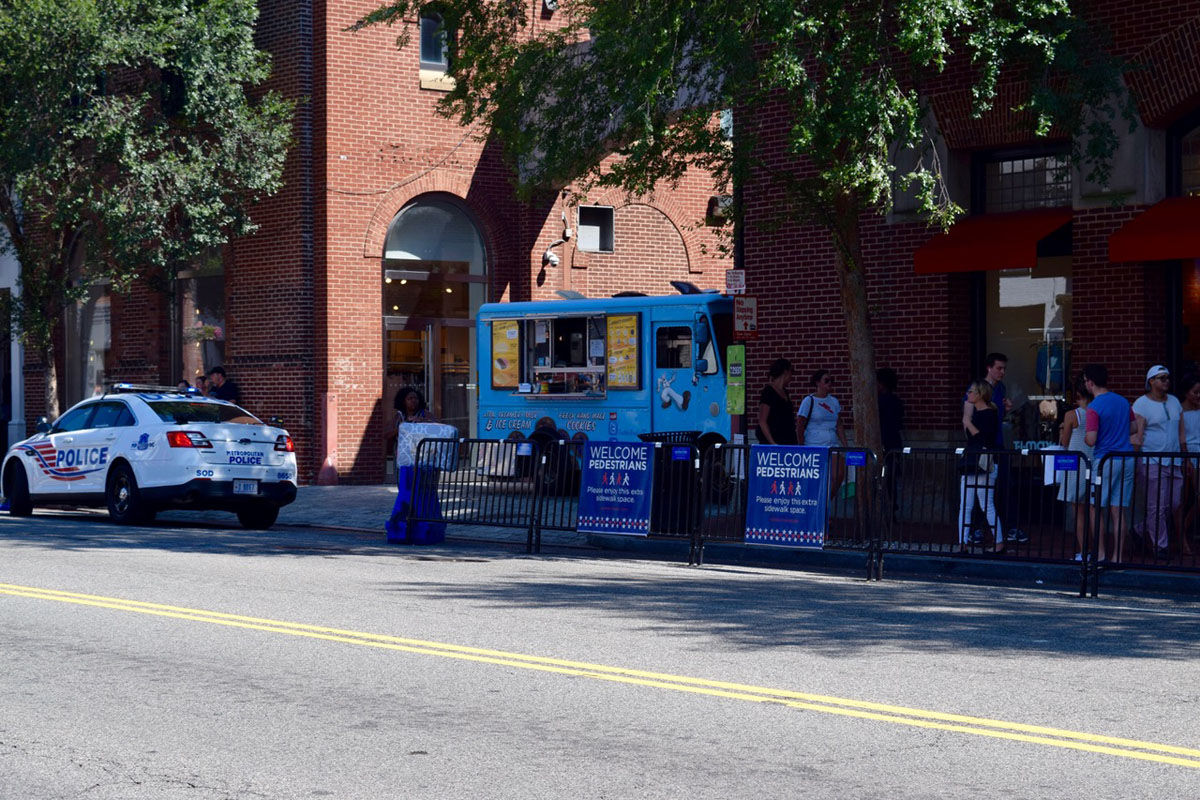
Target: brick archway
(458, 186)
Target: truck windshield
(181, 411)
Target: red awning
(1164, 232)
(990, 241)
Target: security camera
(549, 259)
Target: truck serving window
(565, 355)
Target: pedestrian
(818, 423)
(202, 385)
(891, 409)
(1159, 429)
(1189, 423)
(996, 366)
(979, 468)
(183, 386)
(410, 406)
(1111, 428)
(221, 388)
(776, 412)
(1075, 486)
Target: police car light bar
(125, 388)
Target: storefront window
(434, 280)
(202, 317)
(88, 345)
(1029, 320)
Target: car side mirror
(43, 425)
(701, 365)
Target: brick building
(1046, 268)
(394, 225)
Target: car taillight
(187, 439)
(283, 443)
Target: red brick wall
(921, 323)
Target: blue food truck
(605, 369)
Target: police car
(138, 449)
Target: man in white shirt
(1157, 414)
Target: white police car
(138, 450)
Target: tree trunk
(51, 367)
(848, 262)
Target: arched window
(434, 280)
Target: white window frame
(600, 235)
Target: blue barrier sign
(856, 458)
(789, 489)
(614, 488)
(1068, 463)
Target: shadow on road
(744, 608)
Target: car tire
(16, 489)
(258, 518)
(124, 499)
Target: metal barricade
(478, 482)
(1007, 503)
(1144, 512)
(725, 472)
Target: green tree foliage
(129, 144)
(843, 84)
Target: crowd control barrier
(1129, 511)
(1145, 508)
(849, 508)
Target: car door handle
(112, 437)
(67, 439)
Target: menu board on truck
(506, 353)
(622, 351)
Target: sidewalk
(366, 508)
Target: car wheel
(125, 504)
(16, 489)
(258, 518)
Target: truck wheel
(258, 518)
(125, 504)
(16, 489)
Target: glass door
(406, 363)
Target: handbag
(973, 462)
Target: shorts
(1115, 480)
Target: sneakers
(1016, 535)
(975, 537)
(1079, 556)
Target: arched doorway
(434, 280)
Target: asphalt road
(205, 662)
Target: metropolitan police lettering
(248, 457)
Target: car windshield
(181, 411)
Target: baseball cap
(1155, 371)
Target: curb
(854, 564)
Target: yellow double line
(880, 712)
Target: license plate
(245, 487)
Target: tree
(129, 145)
(844, 79)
